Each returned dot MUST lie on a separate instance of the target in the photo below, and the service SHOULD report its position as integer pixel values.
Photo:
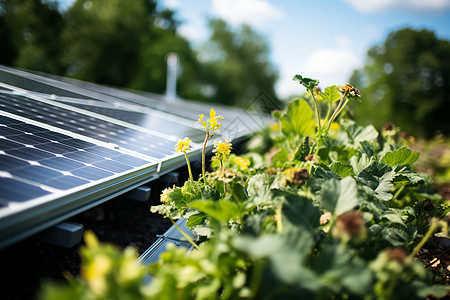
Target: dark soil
(122, 222)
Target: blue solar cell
(7, 144)
(91, 173)
(28, 139)
(61, 163)
(17, 191)
(56, 148)
(130, 160)
(7, 131)
(29, 128)
(29, 153)
(51, 135)
(66, 182)
(77, 143)
(36, 173)
(113, 166)
(51, 160)
(85, 157)
(8, 163)
(102, 151)
(89, 126)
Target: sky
(321, 39)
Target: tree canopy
(237, 64)
(407, 80)
(30, 35)
(126, 43)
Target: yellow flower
(212, 124)
(222, 149)
(183, 145)
(243, 163)
(350, 91)
(98, 267)
(335, 126)
(275, 126)
(200, 120)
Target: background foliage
(125, 44)
(406, 80)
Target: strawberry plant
(331, 210)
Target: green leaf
(298, 212)
(341, 169)
(286, 253)
(339, 196)
(331, 94)
(360, 164)
(259, 185)
(238, 192)
(378, 177)
(319, 177)
(308, 83)
(393, 217)
(340, 270)
(303, 149)
(280, 158)
(222, 210)
(298, 120)
(398, 235)
(196, 219)
(177, 197)
(210, 193)
(401, 156)
(411, 178)
(356, 134)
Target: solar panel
(67, 145)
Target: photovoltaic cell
(156, 122)
(128, 138)
(33, 158)
(66, 145)
(19, 191)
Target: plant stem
(336, 111)
(188, 238)
(328, 112)
(433, 226)
(319, 126)
(189, 167)
(391, 286)
(222, 173)
(256, 278)
(397, 193)
(203, 156)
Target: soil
(122, 222)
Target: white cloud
(252, 12)
(172, 4)
(369, 6)
(193, 32)
(331, 66)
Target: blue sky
(323, 39)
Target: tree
(236, 65)
(407, 81)
(30, 34)
(151, 73)
(125, 43)
(102, 39)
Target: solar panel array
(67, 145)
